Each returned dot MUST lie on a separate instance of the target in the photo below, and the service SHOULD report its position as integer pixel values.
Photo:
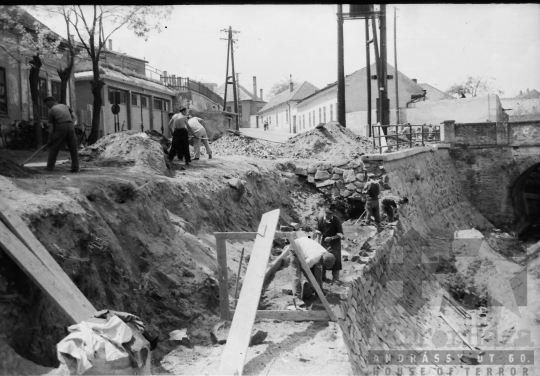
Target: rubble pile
(240, 145)
(343, 178)
(130, 148)
(332, 141)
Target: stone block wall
(525, 133)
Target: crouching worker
(390, 206)
(316, 258)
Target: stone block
(322, 175)
(236, 184)
(325, 183)
(313, 168)
(359, 169)
(324, 167)
(311, 178)
(346, 193)
(339, 163)
(359, 184)
(340, 185)
(361, 177)
(355, 163)
(351, 187)
(336, 177)
(338, 170)
(302, 171)
(349, 176)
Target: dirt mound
(329, 142)
(239, 145)
(13, 170)
(131, 149)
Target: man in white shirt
(316, 257)
(196, 124)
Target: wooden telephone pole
(230, 51)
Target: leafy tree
(94, 26)
(281, 86)
(30, 43)
(474, 86)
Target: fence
(185, 84)
(418, 135)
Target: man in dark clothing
(180, 144)
(372, 190)
(61, 118)
(329, 227)
(390, 205)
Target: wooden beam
(275, 265)
(234, 354)
(14, 222)
(223, 279)
(42, 276)
(311, 277)
(292, 315)
(245, 235)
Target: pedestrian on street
(371, 191)
(179, 128)
(390, 205)
(197, 126)
(266, 125)
(316, 257)
(61, 117)
(331, 231)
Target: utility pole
(395, 67)
(341, 70)
(230, 49)
(385, 115)
(368, 77)
(378, 65)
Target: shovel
(33, 155)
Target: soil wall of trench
(148, 252)
(392, 298)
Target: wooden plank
(14, 222)
(46, 281)
(275, 265)
(311, 277)
(292, 315)
(234, 354)
(245, 235)
(223, 279)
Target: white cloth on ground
(89, 340)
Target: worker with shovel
(330, 230)
(197, 126)
(62, 118)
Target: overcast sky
(439, 44)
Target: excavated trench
(142, 243)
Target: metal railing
(185, 84)
(410, 139)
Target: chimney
(291, 86)
(110, 44)
(262, 95)
(255, 87)
(415, 80)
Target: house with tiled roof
(249, 104)
(280, 112)
(533, 94)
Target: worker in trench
(197, 126)
(390, 205)
(317, 258)
(371, 192)
(330, 232)
(180, 130)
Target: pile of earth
(231, 144)
(135, 149)
(332, 141)
(13, 170)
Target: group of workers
(181, 127)
(322, 250)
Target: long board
(14, 222)
(42, 276)
(292, 315)
(234, 354)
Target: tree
(474, 86)
(35, 42)
(281, 86)
(90, 25)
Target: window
(42, 94)
(331, 113)
(3, 92)
(320, 115)
(157, 104)
(228, 109)
(134, 99)
(166, 106)
(324, 114)
(122, 95)
(143, 102)
(56, 88)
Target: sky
(438, 44)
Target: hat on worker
(50, 98)
(171, 113)
(182, 109)
(328, 260)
